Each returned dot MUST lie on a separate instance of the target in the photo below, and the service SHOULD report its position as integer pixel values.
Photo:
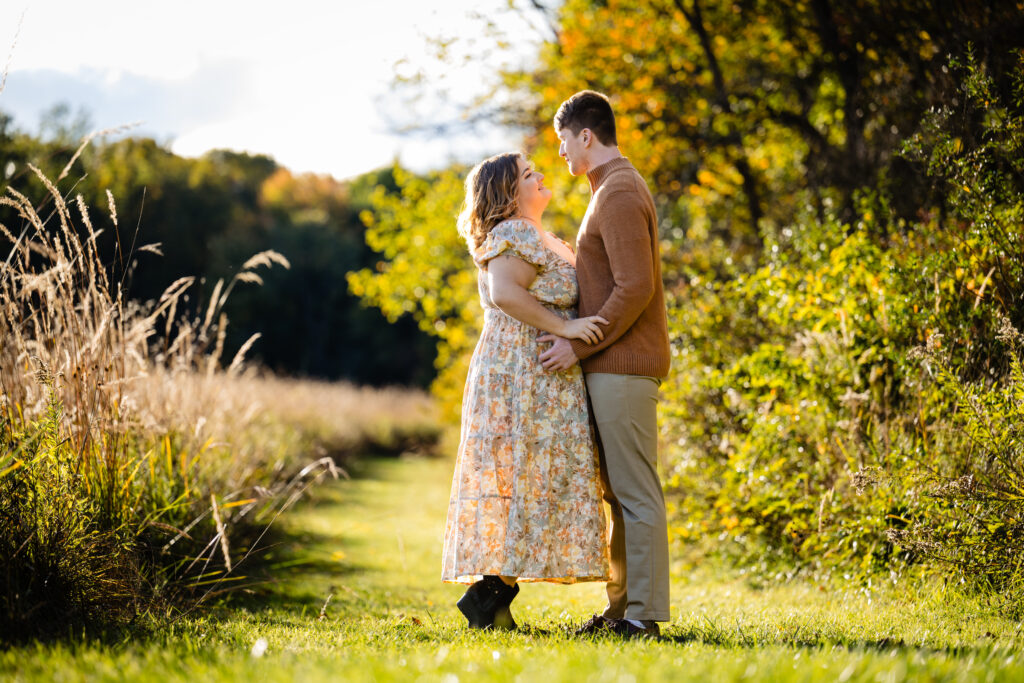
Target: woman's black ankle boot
(484, 599)
(503, 615)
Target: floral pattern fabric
(526, 494)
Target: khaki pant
(625, 410)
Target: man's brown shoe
(596, 624)
(627, 629)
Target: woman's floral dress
(526, 495)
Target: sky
(308, 82)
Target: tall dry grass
(138, 465)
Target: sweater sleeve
(627, 241)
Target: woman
(526, 500)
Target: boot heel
(503, 620)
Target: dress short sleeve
(518, 238)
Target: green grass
(373, 544)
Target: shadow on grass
(288, 559)
(882, 645)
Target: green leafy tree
(424, 268)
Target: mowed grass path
(373, 545)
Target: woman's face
(533, 196)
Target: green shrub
(812, 438)
(972, 362)
(764, 443)
(975, 525)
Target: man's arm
(627, 241)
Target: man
(619, 270)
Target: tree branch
(696, 20)
(550, 16)
(847, 66)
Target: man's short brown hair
(588, 109)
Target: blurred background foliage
(206, 216)
(839, 184)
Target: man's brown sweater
(618, 266)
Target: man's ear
(586, 137)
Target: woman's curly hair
(492, 196)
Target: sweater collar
(597, 175)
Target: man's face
(573, 149)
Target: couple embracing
(531, 473)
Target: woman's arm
(509, 279)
